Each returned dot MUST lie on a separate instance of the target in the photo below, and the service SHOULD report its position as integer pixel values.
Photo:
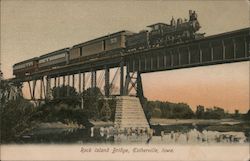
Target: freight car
(25, 67)
(53, 59)
(100, 46)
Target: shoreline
(162, 121)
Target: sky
(30, 28)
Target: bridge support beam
(58, 81)
(73, 80)
(79, 82)
(63, 80)
(58, 89)
(48, 88)
(41, 89)
(122, 78)
(93, 78)
(68, 85)
(139, 89)
(106, 86)
(55, 82)
(34, 88)
(127, 80)
(83, 82)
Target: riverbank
(159, 121)
(223, 125)
(100, 123)
(58, 125)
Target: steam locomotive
(160, 34)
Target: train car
(137, 41)
(117, 40)
(87, 49)
(53, 59)
(26, 67)
(98, 47)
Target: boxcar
(86, 49)
(53, 59)
(116, 40)
(26, 67)
(101, 45)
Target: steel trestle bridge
(217, 49)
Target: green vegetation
(210, 113)
(224, 128)
(19, 116)
(76, 107)
(16, 117)
(160, 109)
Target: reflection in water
(176, 135)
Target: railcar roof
(103, 37)
(54, 53)
(159, 23)
(26, 61)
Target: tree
(247, 116)
(236, 113)
(67, 95)
(200, 110)
(105, 112)
(16, 118)
(156, 112)
(169, 110)
(63, 92)
(92, 96)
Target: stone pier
(129, 113)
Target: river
(174, 134)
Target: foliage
(93, 102)
(247, 116)
(200, 110)
(92, 97)
(16, 118)
(214, 113)
(53, 112)
(169, 110)
(105, 112)
(67, 95)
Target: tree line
(161, 109)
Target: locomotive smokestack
(172, 22)
(190, 12)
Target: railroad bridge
(223, 48)
(217, 49)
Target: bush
(16, 118)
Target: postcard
(125, 80)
